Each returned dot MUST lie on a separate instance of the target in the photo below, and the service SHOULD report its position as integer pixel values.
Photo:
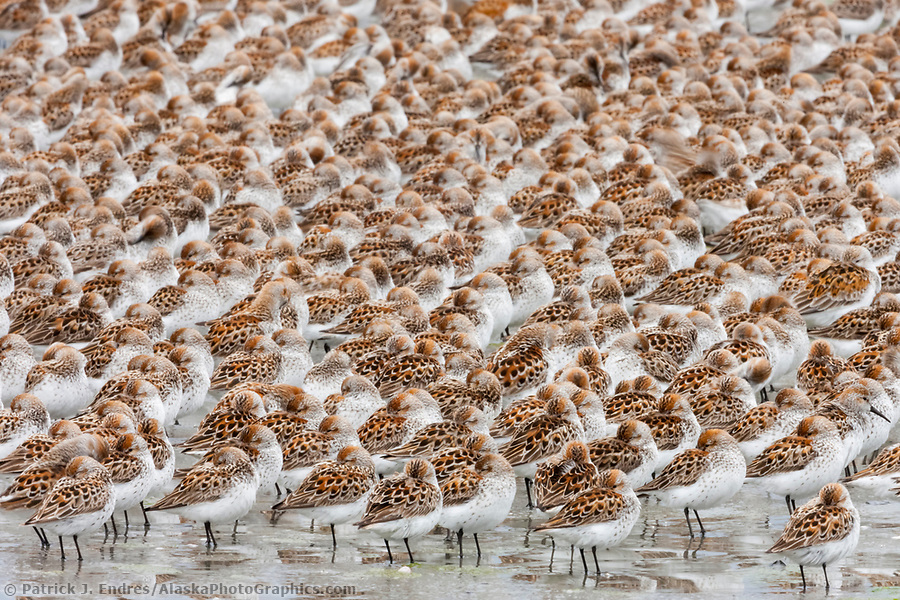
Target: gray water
(657, 558)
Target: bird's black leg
(210, 538)
(62, 551)
(406, 541)
(477, 545)
(333, 538)
(40, 536)
(687, 517)
(699, 522)
(583, 559)
(387, 545)
(459, 535)
(803, 577)
(825, 570)
(596, 564)
(77, 548)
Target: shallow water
(658, 557)
(291, 559)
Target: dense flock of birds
(612, 248)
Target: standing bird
(799, 464)
(478, 498)
(335, 491)
(602, 516)
(541, 437)
(404, 506)
(81, 501)
(821, 532)
(703, 477)
(221, 490)
(563, 476)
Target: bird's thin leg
(77, 548)
(277, 491)
(144, 510)
(583, 559)
(234, 530)
(459, 535)
(787, 500)
(687, 517)
(125, 512)
(387, 545)
(477, 545)
(699, 522)
(596, 564)
(40, 537)
(406, 541)
(825, 570)
(333, 538)
(552, 552)
(210, 538)
(528, 492)
(112, 522)
(803, 577)
(62, 551)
